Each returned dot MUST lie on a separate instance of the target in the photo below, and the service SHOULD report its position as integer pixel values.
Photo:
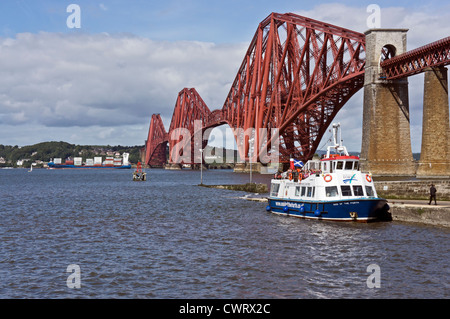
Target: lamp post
(251, 155)
(201, 167)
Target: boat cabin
(333, 164)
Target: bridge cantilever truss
(296, 75)
(155, 146)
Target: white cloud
(426, 24)
(50, 81)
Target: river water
(169, 238)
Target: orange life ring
(327, 178)
(300, 177)
(290, 176)
(368, 178)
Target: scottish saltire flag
(298, 164)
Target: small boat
(139, 175)
(331, 188)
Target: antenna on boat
(338, 147)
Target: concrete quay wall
(420, 212)
(408, 201)
(415, 189)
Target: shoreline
(418, 211)
(249, 187)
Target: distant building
(20, 162)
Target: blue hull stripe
(349, 210)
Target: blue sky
(201, 20)
(100, 84)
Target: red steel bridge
(296, 76)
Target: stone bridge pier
(386, 139)
(435, 152)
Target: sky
(100, 83)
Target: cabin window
(349, 165)
(339, 165)
(275, 189)
(303, 191)
(369, 191)
(310, 192)
(297, 191)
(331, 191)
(324, 166)
(356, 168)
(358, 190)
(346, 190)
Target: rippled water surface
(169, 238)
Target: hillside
(49, 150)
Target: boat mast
(338, 147)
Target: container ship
(96, 162)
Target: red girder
(155, 146)
(189, 108)
(416, 61)
(296, 75)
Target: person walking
(432, 194)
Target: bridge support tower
(435, 153)
(386, 143)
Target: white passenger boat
(332, 188)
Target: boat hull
(359, 210)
